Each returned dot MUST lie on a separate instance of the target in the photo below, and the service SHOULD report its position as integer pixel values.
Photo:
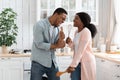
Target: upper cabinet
(46, 8)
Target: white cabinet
(27, 67)
(107, 70)
(63, 64)
(18, 68)
(27, 75)
(11, 69)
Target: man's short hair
(60, 10)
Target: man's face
(60, 18)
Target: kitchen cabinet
(107, 70)
(26, 67)
(11, 69)
(18, 68)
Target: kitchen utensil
(60, 73)
(69, 29)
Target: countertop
(107, 56)
(29, 54)
(111, 57)
(15, 55)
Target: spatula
(60, 73)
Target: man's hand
(60, 43)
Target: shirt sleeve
(39, 37)
(83, 42)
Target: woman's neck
(80, 29)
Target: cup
(58, 50)
(67, 50)
(113, 48)
(102, 48)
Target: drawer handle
(118, 65)
(102, 60)
(118, 76)
(5, 58)
(29, 72)
(2, 58)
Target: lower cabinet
(27, 68)
(18, 68)
(26, 75)
(11, 69)
(107, 70)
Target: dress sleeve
(83, 42)
(71, 45)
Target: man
(47, 38)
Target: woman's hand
(68, 40)
(70, 69)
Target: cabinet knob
(118, 65)
(5, 58)
(29, 72)
(2, 58)
(102, 60)
(118, 76)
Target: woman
(83, 66)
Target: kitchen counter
(29, 54)
(111, 57)
(15, 55)
(107, 56)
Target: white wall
(26, 11)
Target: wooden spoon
(60, 73)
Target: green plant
(8, 27)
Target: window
(46, 8)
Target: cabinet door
(27, 67)
(107, 70)
(114, 70)
(11, 69)
(103, 69)
(100, 68)
(27, 63)
(26, 75)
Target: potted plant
(8, 28)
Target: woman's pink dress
(82, 45)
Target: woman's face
(77, 22)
